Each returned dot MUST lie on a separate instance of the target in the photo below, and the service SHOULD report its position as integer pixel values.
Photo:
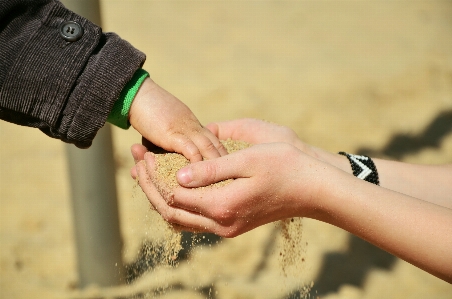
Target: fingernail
(185, 175)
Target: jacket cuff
(100, 85)
(70, 86)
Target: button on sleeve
(71, 31)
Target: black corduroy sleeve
(66, 89)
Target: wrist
(334, 195)
(336, 160)
(323, 190)
(140, 100)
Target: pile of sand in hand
(167, 165)
(164, 178)
(291, 250)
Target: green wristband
(120, 112)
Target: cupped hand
(168, 123)
(271, 182)
(255, 131)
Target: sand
(345, 75)
(168, 164)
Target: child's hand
(168, 123)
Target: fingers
(213, 210)
(209, 145)
(133, 172)
(224, 130)
(216, 142)
(246, 129)
(217, 203)
(138, 152)
(253, 131)
(214, 128)
(185, 146)
(229, 207)
(181, 217)
(200, 146)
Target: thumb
(138, 152)
(208, 172)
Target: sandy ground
(359, 76)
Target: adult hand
(255, 131)
(268, 180)
(168, 123)
(258, 131)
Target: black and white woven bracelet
(363, 168)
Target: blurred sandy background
(360, 76)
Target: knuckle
(216, 214)
(251, 160)
(223, 215)
(209, 146)
(288, 150)
(221, 147)
(180, 139)
(229, 232)
(169, 215)
(210, 172)
(183, 140)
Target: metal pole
(94, 200)
(89, 9)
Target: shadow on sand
(352, 266)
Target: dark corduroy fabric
(67, 89)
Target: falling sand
(166, 167)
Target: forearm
(414, 230)
(431, 183)
(427, 182)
